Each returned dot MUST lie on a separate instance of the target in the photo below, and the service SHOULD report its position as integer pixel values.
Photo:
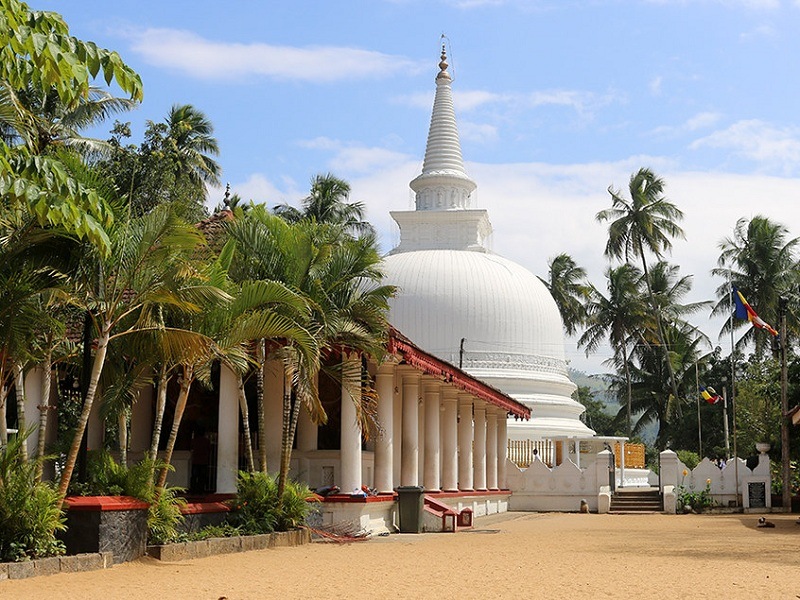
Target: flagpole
(725, 423)
(733, 391)
(697, 397)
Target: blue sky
(556, 100)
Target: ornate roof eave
(435, 367)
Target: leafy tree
(616, 317)
(327, 203)
(567, 284)
(760, 260)
(646, 222)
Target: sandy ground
(517, 555)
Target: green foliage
(257, 508)
(688, 458)
(30, 512)
(164, 517)
(697, 501)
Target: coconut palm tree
(567, 284)
(646, 222)
(619, 318)
(328, 203)
(760, 260)
(190, 143)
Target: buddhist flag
(709, 395)
(742, 310)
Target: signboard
(757, 494)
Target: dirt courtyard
(517, 555)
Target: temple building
(469, 306)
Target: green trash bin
(410, 503)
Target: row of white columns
(455, 442)
(433, 435)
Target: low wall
(116, 524)
(751, 491)
(373, 515)
(540, 488)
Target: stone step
(636, 500)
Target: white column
(384, 444)
(479, 457)
(622, 463)
(502, 449)
(350, 472)
(421, 437)
(465, 442)
(273, 412)
(33, 401)
(142, 421)
(431, 473)
(397, 427)
(449, 440)
(409, 467)
(227, 432)
(307, 431)
(491, 448)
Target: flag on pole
(742, 310)
(709, 395)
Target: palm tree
(123, 289)
(617, 317)
(327, 203)
(760, 260)
(340, 278)
(567, 284)
(645, 223)
(190, 142)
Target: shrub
(697, 501)
(107, 477)
(688, 458)
(30, 511)
(257, 508)
(164, 517)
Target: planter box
(116, 524)
(213, 546)
(55, 564)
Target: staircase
(636, 500)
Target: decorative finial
(443, 63)
(227, 199)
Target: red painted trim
(430, 365)
(472, 494)
(347, 499)
(202, 508)
(104, 503)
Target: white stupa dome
(452, 288)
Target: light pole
(785, 464)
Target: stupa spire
(444, 183)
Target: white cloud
(702, 120)
(477, 132)
(539, 210)
(355, 158)
(775, 149)
(206, 59)
(760, 32)
(655, 85)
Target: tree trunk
(262, 421)
(44, 409)
(661, 339)
(97, 368)
(3, 425)
(628, 387)
(248, 440)
(183, 396)
(122, 424)
(290, 416)
(19, 386)
(161, 405)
